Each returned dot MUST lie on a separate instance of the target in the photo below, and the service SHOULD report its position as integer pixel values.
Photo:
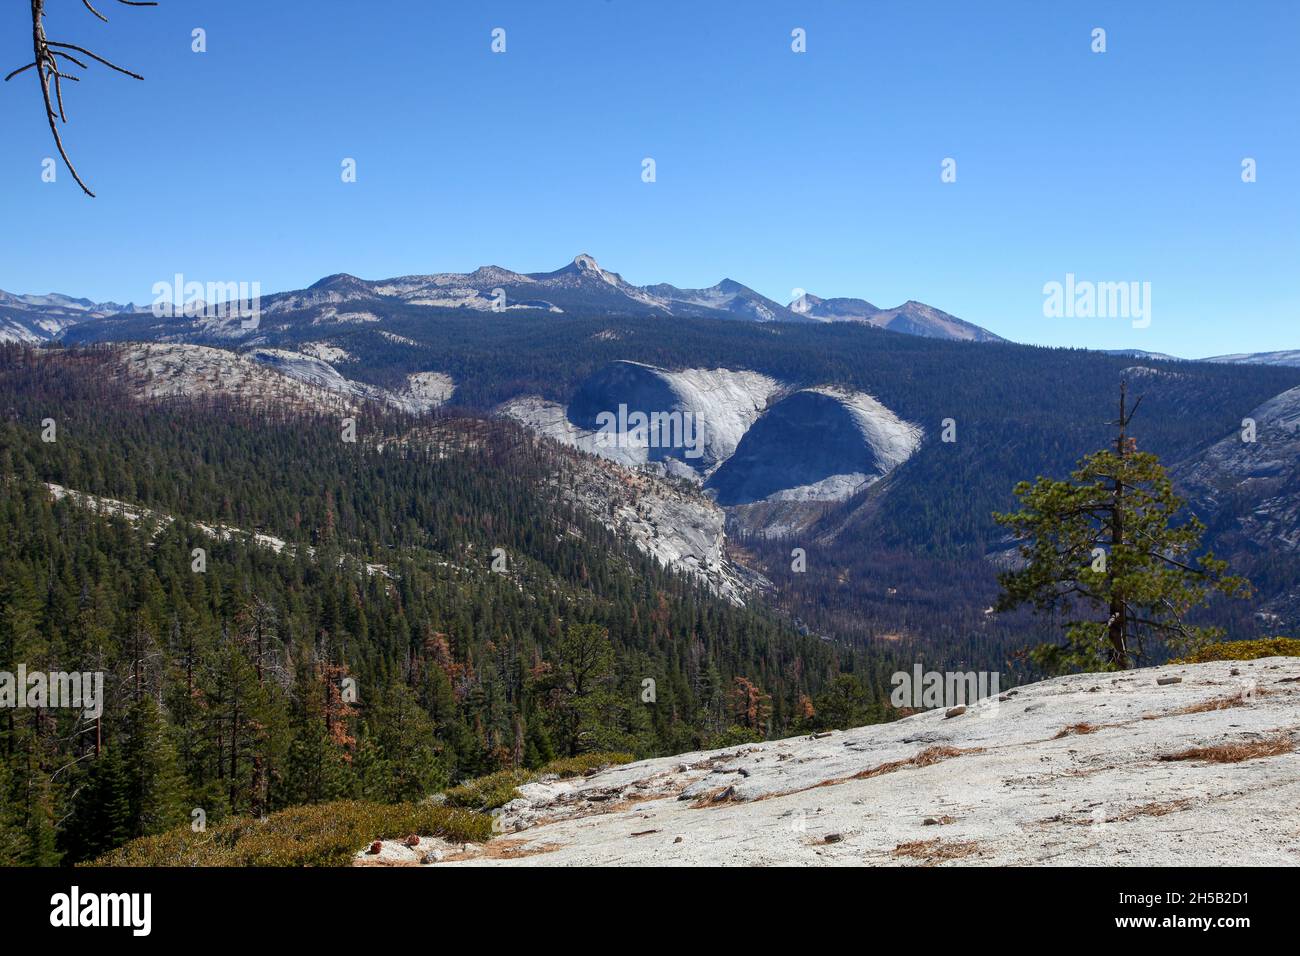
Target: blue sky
(781, 170)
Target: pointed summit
(597, 286)
(583, 264)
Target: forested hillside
(227, 689)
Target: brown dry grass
(1156, 809)
(504, 849)
(515, 849)
(1074, 729)
(1236, 753)
(931, 852)
(1215, 703)
(928, 756)
(715, 797)
(377, 861)
(1207, 706)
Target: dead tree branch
(45, 59)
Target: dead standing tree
(46, 57)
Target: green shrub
(498, 789)
(488, 793)
(1244, 650)
(733, 736)
(326, 834)
(583, 764)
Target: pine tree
(102, 816)
(11, 834)
(1103, 548)
(584, 663)
(35, 809)
(317, 769)
(402, 762)
(156, 790)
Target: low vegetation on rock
(497, 789)
(326, 834)
(1244, 650)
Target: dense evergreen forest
(376, 654)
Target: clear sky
(818, 170)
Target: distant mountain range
(1143, 354)
(911, 318)
(583, 286)
(1289, 357)
(41, 318)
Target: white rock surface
(669, 520)
(1006, 782)
(108, 507)
(314, 371)
(726, 404)
(32, 319)
(332, 316)
(427, 851)
(327, 352)
(815, 444)
(11, 330)
(550, 419)
(723, 404)
(891, 439)
(138, 514)
(268, 377)
(425, 391)
(169, 370)
(1285, 357)
(726, 401)
(1266, 469)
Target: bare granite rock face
(745, 436)
(1265, 470)
(668, 519)
(269, 378)
(160, 371)
(1092, 769)
(817, 444)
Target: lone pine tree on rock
(1104, 548)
